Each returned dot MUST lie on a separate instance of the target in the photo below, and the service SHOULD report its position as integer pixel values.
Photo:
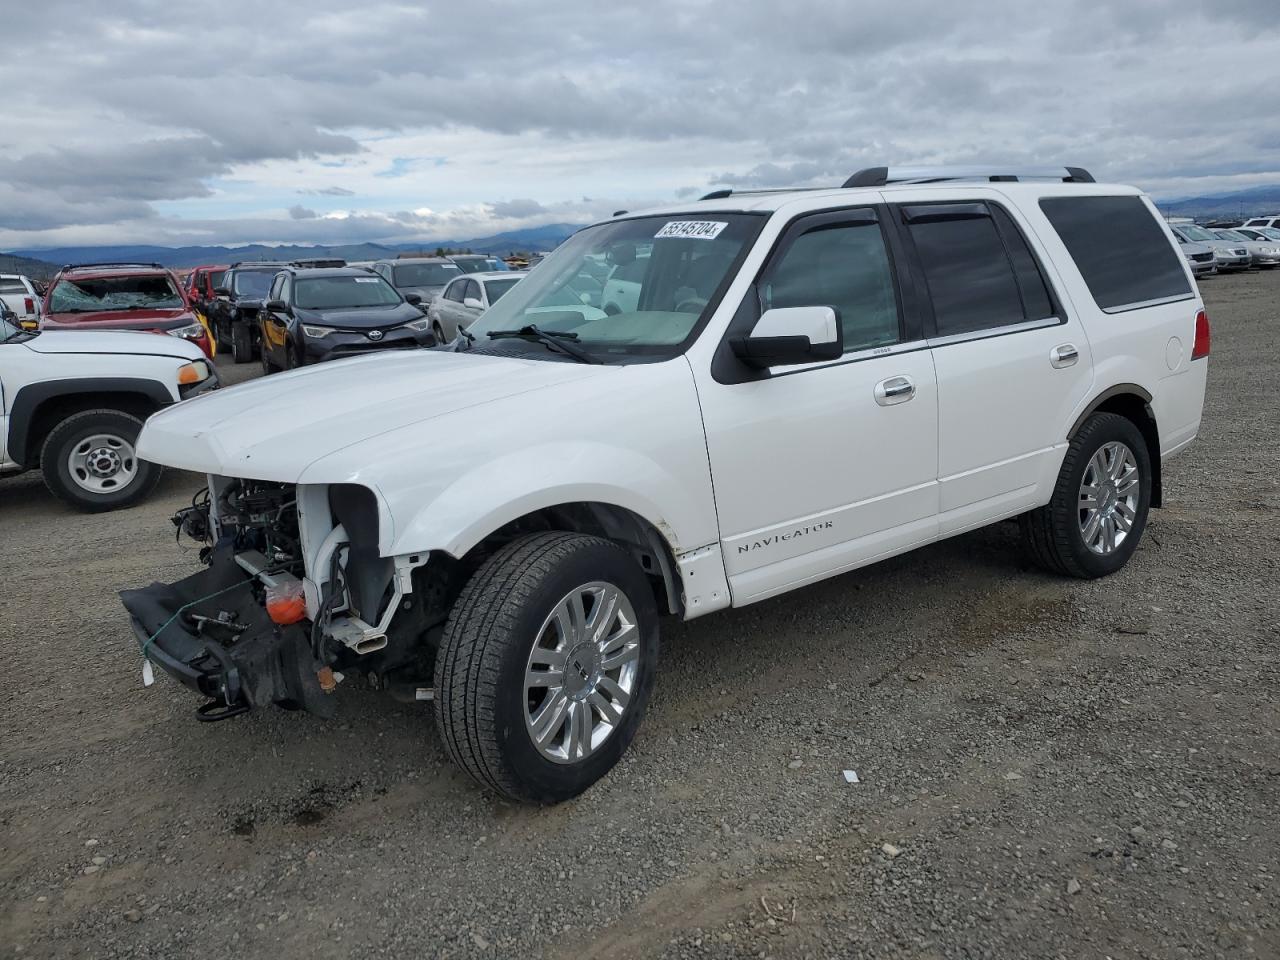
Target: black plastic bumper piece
(210, 633)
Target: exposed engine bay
(294, 594)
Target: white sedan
(465, 298)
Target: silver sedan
(1263, 251)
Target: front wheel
(1099, 509)
(89, 461)
(546, 665)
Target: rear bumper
(211, 633)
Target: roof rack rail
(883, 176)
(112, 263)
(717, 195)
(258, 263)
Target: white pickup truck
(72, 405)
(19, 295)
(804, 382)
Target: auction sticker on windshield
(692, 229)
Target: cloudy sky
(174, 123)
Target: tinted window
(253, 284)
(845, 266)
(966, 267)
(454, 290)
(1123, 255)
(1036, 302)
(424, 274)
(496, 288)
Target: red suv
(202, 281)
(122, 296)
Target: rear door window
(967, 268)
(1121, 251)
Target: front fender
(511, 486)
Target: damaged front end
(294, 592)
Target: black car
(233, 313)
(323, 314)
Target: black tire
(1052, 533)
(62, 440)
(268, 367)
(241, 343)
(437, 331)
(480, 668)
(291, 361)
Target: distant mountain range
(1254, 202)
(532, 239)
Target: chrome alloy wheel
(102, 463)
(582, 672)
(1109, 497)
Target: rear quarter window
(1121, 251)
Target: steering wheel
(697, 303)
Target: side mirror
(471, 303)
(412, 298)
(276, 306)
(789, 335)
(221, 292)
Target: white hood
(115, 342)
(275, 427)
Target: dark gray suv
(424, 276)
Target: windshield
(1192, 232)
(8, 330)
(663, 273)
(1230, 235)
(425, 274)
(253, 283)
(496, 288)
(339, 293)
(150, 292)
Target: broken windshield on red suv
(122, 297)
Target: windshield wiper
(561, 340)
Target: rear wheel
(241, 343)
(89, 461)
(546, 665)
(1099, 509)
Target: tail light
(1201, 345)
(28, 305)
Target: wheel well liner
(1133, 403)
(643, 540)
(38, 407)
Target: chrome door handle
(894, 390)
(1063, 355)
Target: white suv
(809, 381)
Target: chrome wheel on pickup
(546, 664)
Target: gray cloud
(152, 120)
(517, 209)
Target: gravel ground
(1047, 768)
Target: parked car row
(1209, 249)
